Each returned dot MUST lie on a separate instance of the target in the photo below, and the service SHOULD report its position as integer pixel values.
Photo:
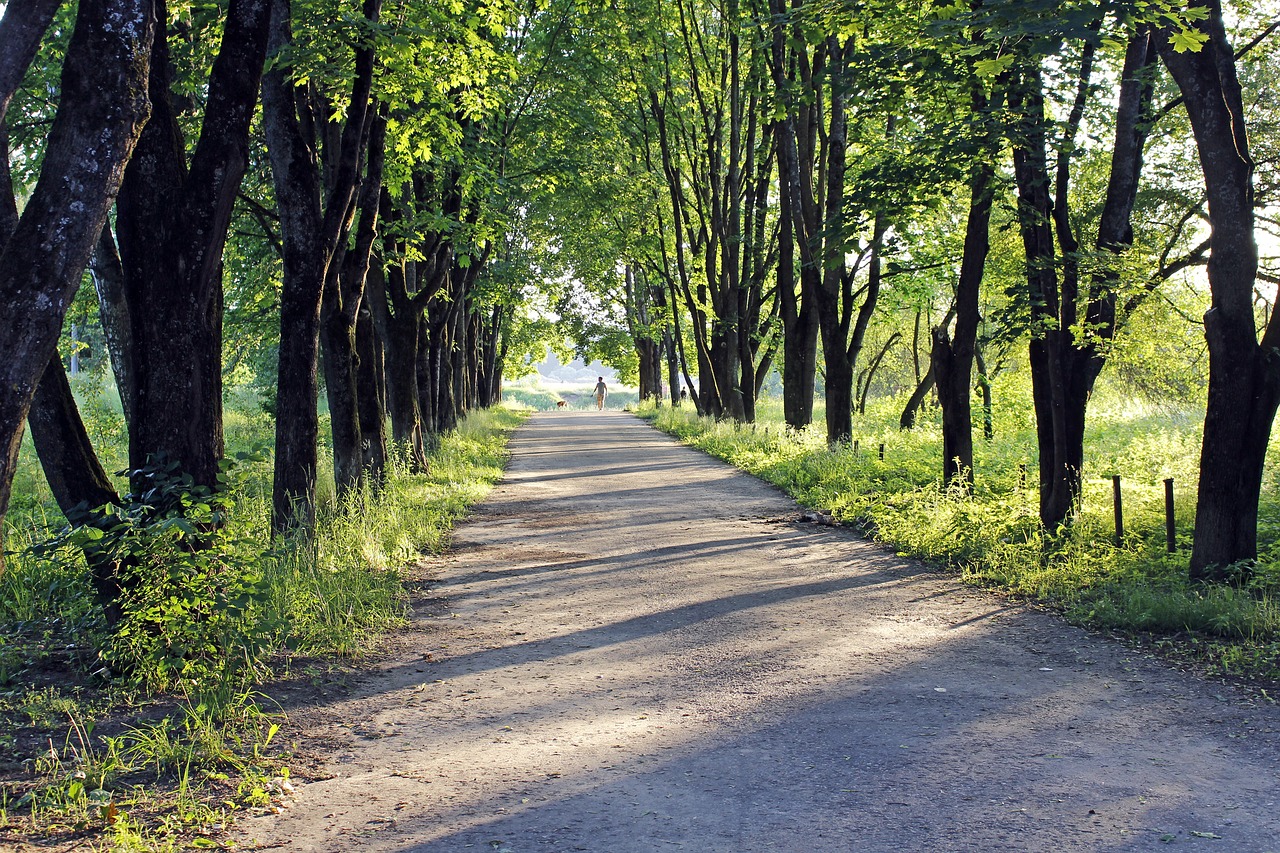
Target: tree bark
(76, 478)
(833, 312)
(1059, 480)
(371, 397)
(951, 359)
(71, 466)
(1244, 374)
(984, 385)
(1064, 368)
(103, 107)
(21, 29)
(912, 409)
(399, 332)
(339, 317)
(171, 226)
(314, 219)
(799, 320)
(433, 364)
(117, 322)
(673, 365)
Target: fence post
(1170, 530)
(1115, 491)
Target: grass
(162, 753)
(993, 537)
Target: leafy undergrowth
(152, 736)
(886, 485)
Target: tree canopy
(395, 205)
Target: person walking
(601, 392)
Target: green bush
(187, 612)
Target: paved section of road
(643, 650)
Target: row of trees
(340, 164)
(411, 195)
(788, 165)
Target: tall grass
(341, 587)
(214, 624)
(326, 593)
(993, 536)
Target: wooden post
(1115, 491)
(1170, 531)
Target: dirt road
(642, 650)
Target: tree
(316, 163)
(708, 109)
(1244, 372)
(43, 253)
(1073, 292)
(172, 219)
(795, 132)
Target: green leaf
(1188, 41)
(990, 68)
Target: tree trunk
(113, 313)
(297, 418)
(314, 219)
(431, 361)
(450, 373)
(459, 355)
(399, 334)
(951, 359)
(673, 365)
(1059, 482)
(912, 409)
(21, 29)
(799, 326)
(71, 468)
(1244, 374)
(649, 355)
(492, 358)
(171, 226)
(296, 178)
(76, 477)
(984, 384)
(66, 454)
(799, 319)
(339, 317)
(103, 106)
(834, 327)
(342, 389)
(1064, 369)
(371, 398)
(839, 399)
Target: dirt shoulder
(633, 647)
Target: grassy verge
(993, 537)
(153, 737)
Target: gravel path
(641, 649)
